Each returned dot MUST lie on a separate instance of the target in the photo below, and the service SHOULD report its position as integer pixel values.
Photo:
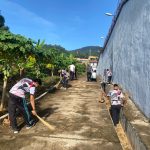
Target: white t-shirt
(93, 75)
(109, 73)
(115, 97)
(72, 68)
(22, 87)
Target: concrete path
(82, 123)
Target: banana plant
(13, 48)
(6, 70)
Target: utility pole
(90, 52)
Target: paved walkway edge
(132, 134)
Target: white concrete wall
(128, 52)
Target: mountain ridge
(86, 51)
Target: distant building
(93, 61)
(83, 60)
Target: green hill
(57, 47)
(84, 52)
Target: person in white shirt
(93, 76)
(116, 99)
(17, 100)
(72, 71)
(109, 76)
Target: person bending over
(17, 100)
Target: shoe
(30, 126)
(15, 131)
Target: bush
(80, 68)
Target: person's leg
(63, 82)
(12, 112)
(76, 75)
(73, 75)
(70, 75)
(110, 79)
(118, 108)
(104, 87)
(90, 74)
(22, 106)
(114, 114)
(66, 83)
(87, 76)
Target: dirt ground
(81, 123)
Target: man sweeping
(17, 100)
(116, 100)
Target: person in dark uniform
(89, 72)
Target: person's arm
(109, 98)
(123, 99)
(32, 101)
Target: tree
(2, 21)
(14, 51)
(2, 24)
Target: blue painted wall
(127, 52)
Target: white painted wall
(128, 52)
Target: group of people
(116, 97)
(17, 101)
(20, 89)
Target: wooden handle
(46, 123)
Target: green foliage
(85, 52)
(2, 21)
(14, 51)
(2, 24)
(80, 68)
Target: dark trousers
(109, 79)
(103, 85)
(115, 113)
(71, 75)
(65, 82)
(20, 103)
(88, 76)
(75, 74)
